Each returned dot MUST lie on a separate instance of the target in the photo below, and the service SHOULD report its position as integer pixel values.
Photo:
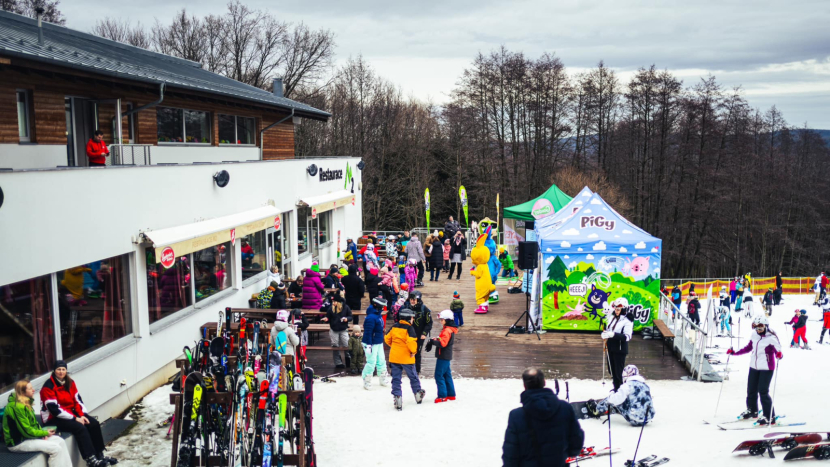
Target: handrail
(119, 153)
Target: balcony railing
(131, 154)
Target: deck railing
(690, 341)
(131, 154)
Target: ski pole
(723, 379)
(610, 450)
(772, 402)
(645, 421)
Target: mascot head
(480, 254)
(485, 224)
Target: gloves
(731, 351)
(607, 334)
(779, 355)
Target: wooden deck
(482, 350)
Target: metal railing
(690, 340)
(125, 154)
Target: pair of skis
(650, 461)
(592, 453)
(785, 441)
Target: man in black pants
(422, 323)
(616, 335)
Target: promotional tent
(549, 202)
(590, 258)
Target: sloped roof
(522, 211)
(554, 220)
(597, 227)
(79, 50)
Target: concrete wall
(189, 154)
(31, 156)
(56, 219)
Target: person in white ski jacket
(283, 337)
(764, 349)
(617, 334)
(632, 400)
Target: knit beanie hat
(60, 364)
(315, 267)
(455, 294)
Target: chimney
(278, 87)
(39, 11)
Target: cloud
(640, 246)
(572, 265)
(548, 250)
(626, 231)
(656, 271)
(596, 201)
(587, 211)
(565, 244)
(585, 194)
(549, 260)
(623, 249)
(593, 235)
(579, 249)
(654, 250)
(578, 202)
(604, 209)
(616, 236)
(566, 257)
(634, 254)
(599, 246)
(571, 232)
(590, 256)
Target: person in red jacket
(63, 408)
(96, 150)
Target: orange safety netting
(759, 285)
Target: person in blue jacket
(544, 431)
(373, 344)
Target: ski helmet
(760, 320)
(283, 315)
(803, 312)
(621, 302)
(446, 314)
(629, 371)
(406, 313)
(416, 295)
(379, 302)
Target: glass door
(70, 132)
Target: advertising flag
(462, 193)
(426, 204)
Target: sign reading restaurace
(328, 175)
(168, 258)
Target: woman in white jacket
(617, 334)
(764, 349)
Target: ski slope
(355, 427)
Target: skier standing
(799, 323)
(725, 313)
(739, 294)
(764, 349)
(769, 300)
(617, 334)
(422, 323)
(825, 306)
(693, 308)
(748, 301)
(633, 400)
(403, 343)
(373, 344)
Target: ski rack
(298, 459)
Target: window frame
(184, 141)
(235, 131)
(28, 117)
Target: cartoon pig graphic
(638, 268)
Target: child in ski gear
(372, 283)
(765, 350)
(447, 255)
(370, 259)
(388, 285)
(733, 289)
(739, 293)
(356, 352)
(402, 269)
(799, 323)
(506, 263)
(544, 431)
(422, 323)
(282, 336)
(403, 344)
(825, 307)
(748, 303)
(676, 298)
(403, 296)
(633, 400)
(443, 354)
(616, 335)
(457, 307)
(373, 344)
(693, 308)
(338, 315)
(724, 313)
(411, 273)
(769, 299)
(63, 407)
(263, 300)
(23, 433)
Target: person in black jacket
(338, 315)
(436, 258)
(458, 253)
(331, 281)
(355, 289)
(779, 288)
(372, 284)
(301, 322)
(296, 287)
(422, 323)
(279, 299)
(544, 431)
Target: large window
(213, 270)
(94, 305)
(280, 246)
(168, 290)
(27, 345)
(324, 223)
(254, 254)
(237, 130)
(183, 126)
(303, 218)
(23, 125)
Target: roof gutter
(147, 106)
(261, 141)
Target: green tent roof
(522, 211)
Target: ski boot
(419, 396)
(451, 398)
(367, 383)
(384, 379)
(93, 461)
(438, 400)
(747, 414)
(806, 346)
(107, 459)
(398, 400)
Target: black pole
(634, 460)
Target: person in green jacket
(23, 433)
(356, 351)
(506, 263)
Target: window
(183, 126)
(254, 254)
(237, 130)
(23, 116)
(313, 236)
(94, 305)
(213, 267)
(280, 245)
(324, 221)
(27, 346)
(303, 216)
(168, 290)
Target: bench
(345, 350)
(664, 331)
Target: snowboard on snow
(590, 453)
(786, 442)
(812, 451)
(582, 412)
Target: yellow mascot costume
(484, 284)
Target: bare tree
(307, 56)
(51, 13)
(122, 31)
(183, 38)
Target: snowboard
(816, 451)
(581, 410)
(787, 442)
(793, 433)
(590, 453)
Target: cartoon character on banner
(597, 301)
(488, 227)
(480, 255)
(638, 269)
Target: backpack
(692, 308)
(280, 342)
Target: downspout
(147, 106)
(261, 141)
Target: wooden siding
(48, 91)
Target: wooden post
(177, 422)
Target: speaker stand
(525, 314)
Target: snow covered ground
(354, 427)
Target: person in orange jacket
(403, 343)
(96, 150)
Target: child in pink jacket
(411, 272)
(447, 255)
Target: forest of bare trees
(728, 187)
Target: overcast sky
(778, 51)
